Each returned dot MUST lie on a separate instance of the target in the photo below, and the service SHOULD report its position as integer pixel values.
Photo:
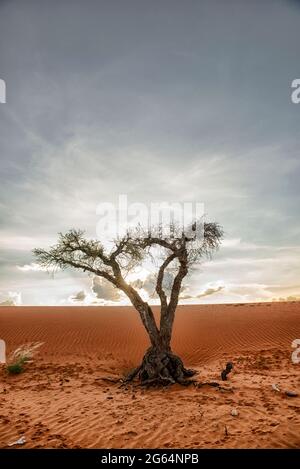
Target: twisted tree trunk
(160, 366)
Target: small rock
(291, 393)
(234, 412)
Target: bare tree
(178, 251)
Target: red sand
(62, 401)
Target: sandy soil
(63, 400)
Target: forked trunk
(160, 366)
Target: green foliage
(16, 368)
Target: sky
(162, 101)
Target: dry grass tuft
(21, 357)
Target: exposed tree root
(161, 368)
(108, 379)
(214, 384)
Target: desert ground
(65, 398)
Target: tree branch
(168, 314)
(75, 251)
(159, 288)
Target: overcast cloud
(161, 100)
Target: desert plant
(21, 357)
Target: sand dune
(63, 401)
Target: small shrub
(15, 369)
(21, 357)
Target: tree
(177, 251)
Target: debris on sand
(20, 441)
(291, 393)
(227, 370)
(276, 387)
(234, 412)
(213, 384)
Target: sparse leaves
(179, 249)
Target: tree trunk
(167, 317)
(160, 366)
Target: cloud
(83, 298)
(237, 244)
(105, 290)
(151, 101)
(80, 296)
(186, 297)
(13, 299)
(33, 267)
(149, 283)
(288, 298)
(210, 291)
(11, 241)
